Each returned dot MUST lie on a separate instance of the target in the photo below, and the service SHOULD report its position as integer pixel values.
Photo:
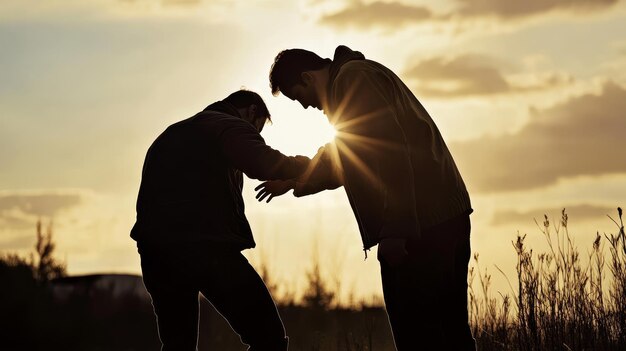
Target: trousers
(426, 296)
(174, 275)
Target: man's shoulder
(209, 118)
(353, 70)
(360, 66)
(210, 115)
(352, 67)
(204, 123)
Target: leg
(175, 302)
(412, 300)
(426, 298)
(239, 294)
(456, 324)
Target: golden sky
(530, 96)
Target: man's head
(251, 107)
(301, 75)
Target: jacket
(192, 179)
(396, 169)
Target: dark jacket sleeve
(323, 173)
(246, 150)
(373, 146)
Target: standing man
(191, 224)
(402, 183)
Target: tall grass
(563, 300)
(560, 299)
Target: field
(566, 298)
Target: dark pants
(426, 296)
(174, 275)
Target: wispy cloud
(181, 2)
(576, 212)
(582, 136)
(393, 15)
(77, 10)
(472, 74)
(42, 204)
(383, 14)
(518, 9)
(20, 210)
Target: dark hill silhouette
(117, 285)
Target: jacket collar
(343, 54)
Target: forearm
(322, 174)
(308, 188)
(246, 150)
(276, 167)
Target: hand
(273, 188)
(393, 251)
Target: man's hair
(246, 98)
(288, 66)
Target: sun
(298, 132)
(325, 132)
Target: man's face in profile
(305, 94)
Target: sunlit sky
(529, 95)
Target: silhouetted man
(402, 183)
(191, 224)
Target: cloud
(396, 14)
(378, 13)
(583, 136)
(181, 2)
(576, 212)
(20, 211)
(80, 11)
(471, 74)
(23, 242)
(518, 9)
(39, 204)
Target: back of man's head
(243, 99)
(288, 66)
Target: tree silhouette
(46, 266)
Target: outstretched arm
(247, 151)
(321, 174)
